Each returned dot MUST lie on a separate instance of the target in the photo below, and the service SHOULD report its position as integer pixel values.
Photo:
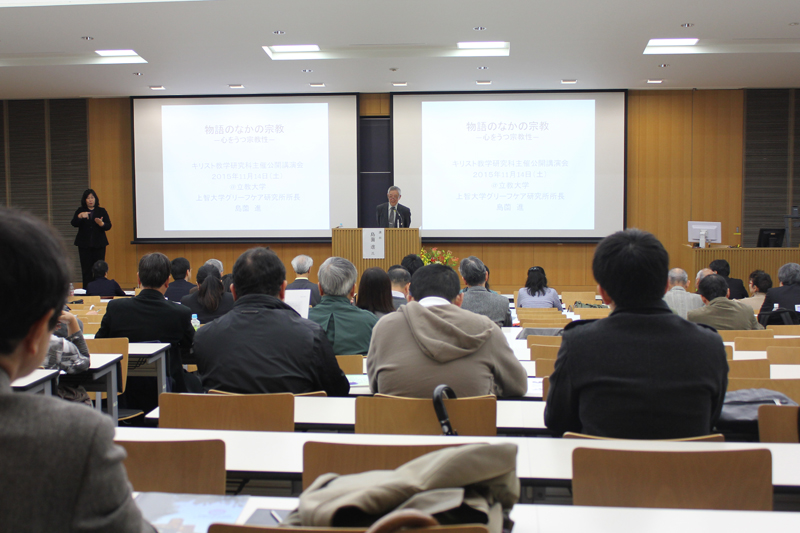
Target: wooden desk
(105, 366)
(152, 352)
(40, 380)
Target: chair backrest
(351, 364)
(545, 323)
(245, 412)
(91, 300)
(731, 334)
(539, 351)
(92, 319)
(538, 311)
(230, 528)
(781, 329)
(778, 423)
(545, 367)
(591, 314)
(226, 393)
(569, 298)
(783, 355)
(190, 467)
(112, 345)
(91, 327)
(728, 352)
(323, 457)
(790, 387)
(393, 415)
(713, 437)
(734, 480)
(545, 387)
(544, 340)
(761, 344)
(748, 368)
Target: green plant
(440, 257)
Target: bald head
(700, 275)
(678, 278)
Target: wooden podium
(745, 260)
(399, 243)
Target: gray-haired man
(392, 214)
(678, 298)
(477, 298)
(302, 265)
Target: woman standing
(92, 222)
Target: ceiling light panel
(672, 42)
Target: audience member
(181, 274)
(150, 317)
(643, 372)
(61, 468)
(760, 282)
(703, 272)
(209, 301)
(719, 312)
(302, 266)
(263, 345)
(477, 298)
(348, 328)
(536, 293)
(721, 267)
(102, 286)
(787, 295)
(412, 263)
(432, 341)
(400, 279)
(375, 292)
(216, 263)
(227, 282)
(678, 298)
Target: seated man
(787, 295)
(400, 279)
(723, 268)
(479, 299)
(432, 341)
(643, 372)
(181, 274)
(262, 345)
(719, 312)
(348, 328)
(678, 298)
(150, 317)
(102, 286)
(302, 266)
(61, 468)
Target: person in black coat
(209, 301)
(102, 286)
(787, 296)
(92, 222)
(180, 286)
(723, 268)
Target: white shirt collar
(398, 294)
(430, 301)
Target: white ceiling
(201, 47)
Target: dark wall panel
(3, 200)
(375, 167)
(28, 156)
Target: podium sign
(373, 246)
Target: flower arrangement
(441, 257)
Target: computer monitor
(770, 238)
(712, 231)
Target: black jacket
(204, 315)
(104, 287)
(382, 215)
(90, 235)
(261, 346)
(178, 289)
(787, 297)
(299, 284)
(737, 288)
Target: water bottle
(775, 306)
(195, 322)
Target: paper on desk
(188, 512)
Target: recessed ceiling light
(655, 81)
(687, 25)
(400, 83)
(483, 82)
(307, 70)
(482, 68)
(279, 32)
(672, 42)
(137, 73)
(158, 88)
(295, 48)
(569, 82)
(318, 84)
(479, 28)
(664, 65)
(115, 53)
(236, 86)
(87, 38)
(394, 69)
(482, 45)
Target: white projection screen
(244, 167)
(539, 166)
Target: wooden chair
(731, 334)
(89, 300)
(713, 437)
(393, 415)
(790, 387)
(545, 367)
(568, 299)
(545, 387)
(323, 457)
(543, 352)
(189, 467)
(729, 352)
(538, 311)
(351, 364)
(761, 344)
(544, 323)
(544, 340)
(785, 329)
(114, 345)
(783, 355)
(778, 423)
(91, 319)
(91, 328)
(748, 368)
(245, 412)
(732, 480)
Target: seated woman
(536, 293)
(210, 300)
(102, 286)
(760, 283)
(375, 292)
(68, 352)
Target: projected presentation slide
(209, 168)
(528, 165)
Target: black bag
(779, 316)
(740, 409)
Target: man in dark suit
(150, 317)
(787, 296)
(643, 372)
(401, 280)
(302, 266)
(723, 268)
(181, 274)
(61, 469)
(392, 214)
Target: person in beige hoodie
(432, 341)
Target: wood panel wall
(684, 163)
